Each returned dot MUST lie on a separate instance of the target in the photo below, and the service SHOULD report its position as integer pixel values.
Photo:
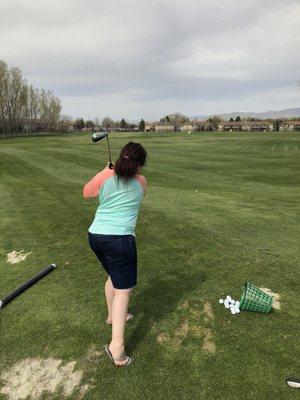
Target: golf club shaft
(109, 153)
(26, 285)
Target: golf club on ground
(26, 285)
(293, 383)
(96, 137)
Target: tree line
(24, 108)
(107, 123)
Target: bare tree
(4, 72)
(90, 124)
(79, 123)
(17, 92)
(54, 112)
(97, 122)
(176, 119)
(50, 108)
(13, 98)
(33, 108)
(214, 121)
(107, 123)
(22, 107)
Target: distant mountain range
(288, 113)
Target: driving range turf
(221, 209)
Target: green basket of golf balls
(254, 299)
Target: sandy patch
(183, 329)
(93, 355)
(33, 376)
(197, 331)
(180, 333)
(208, 311)
(162, 337)
(208, 344)
(192, 309)
(82, 391)
(197, 324)
(17, 256)
(276, 297)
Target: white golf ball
(237, 303)
(237, 310)
(233, 311)
(226, 304)
(221, 301)
(228, 297)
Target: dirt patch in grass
(162, 337)
(33, 376)
(197, 324)
(93, 355)
(208, 311)
(183, 329)
(208, 344)
(204, 333)
(276, 297)
(82, 391)
(180, 333)
(17, 256)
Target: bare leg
(119, 313)
(109, 295)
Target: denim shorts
(117, 254)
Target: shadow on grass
(167, 277)
(159, 300)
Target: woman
(112, 237)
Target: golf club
(293, 383)
(26, 285)
(96, 137)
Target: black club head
(99, 136)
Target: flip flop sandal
(128, 318)
(122, 358)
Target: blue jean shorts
(117, 254)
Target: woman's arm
(92, 188)
(143, 182)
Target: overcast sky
(148, 58)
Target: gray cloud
(144, 59)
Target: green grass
(193, 247)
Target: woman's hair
(132, 157)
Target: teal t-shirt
(119, 206)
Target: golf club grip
(27, 285)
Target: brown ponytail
(132, 157)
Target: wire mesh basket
(254, 299)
